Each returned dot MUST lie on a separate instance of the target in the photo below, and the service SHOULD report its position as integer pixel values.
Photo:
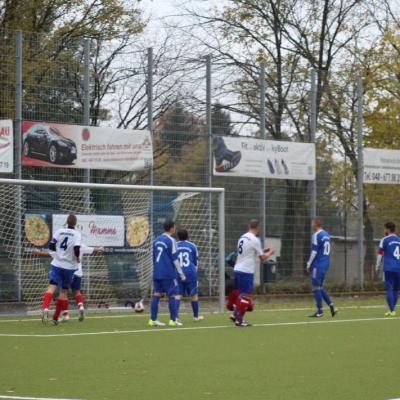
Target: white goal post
(26, 206)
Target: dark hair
(71, 220)
(183, 234)
(390, 226)
(254, 224)
(318, 222)
(168, 225)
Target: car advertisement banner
(73, 146)
(6, 146)
(96, 230)
(381, 166)
(257, 158)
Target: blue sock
(195, 307)
(154, 307)
(172, 308)
(326, 297)
(178, 305)
(396, 297)
(390, 299)
(318, 298)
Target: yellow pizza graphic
(137, 231)
(36, 230)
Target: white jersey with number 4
(65, 240)
(248, 249)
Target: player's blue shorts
(167, 286)
(317, 277)
(61, 277)
(244, 282)
(391, 280)
(190, 288)
(76, 283)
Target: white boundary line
(198, 328)
(134, 315)
(33, 398)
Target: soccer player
(188, 256)
(389, 251)
(66, 243)
(318, 265)
(250, 253)
(165, 266)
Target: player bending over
(76, 281)
(389, 250)
(318, 265)
(66, 243)
(188, 256)
(250, 253)
(165, 265)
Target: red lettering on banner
(98, 231)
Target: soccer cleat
(156, 323)
(172, 323)
(178, 323)
(81, 314)
(243, 324)
(232, 318)
(222, 153)
(318, 314)
(333, 309)
(390, 314)
(54, 322)
(65, 318)
(45, 316)
(199, 318)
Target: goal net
(124, 219)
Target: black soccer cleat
(317, 314)
(242, 324)
(55, 322)
(333, 309)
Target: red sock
(65, 305)
(242, 305)
(59, 308)
(47, 300)
(79, 299)
(232, 298)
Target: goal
(124, 219)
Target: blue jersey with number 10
(188, 257)
(390, 248)
(321, 244)
(164, 255)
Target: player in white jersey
(250, 253)
(66, 243)
(77, 279)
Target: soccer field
(285, 355)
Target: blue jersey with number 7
(321, 244)
(390, 248)
(164, 255)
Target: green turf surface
(286, 355)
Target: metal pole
(313, 129)
(221, 246)
(360, 178)
(209, 169)
(150, 99)
(18, 149)
(86, 121)
(263, 180)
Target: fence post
(313, 129)
(263, 180)
(209, 168)
(360, 178)
(221, 247)
(18, 149)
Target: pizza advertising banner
(381, 166)
(74, 146)
(257, 158)
(6, 146)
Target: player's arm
(263, 254)
(91, 250)
(314, 250)
(177, 264)
(43, 253)
(379, 257)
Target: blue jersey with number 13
(321, 244)
(188, 256)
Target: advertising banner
(73, 146)
(381, 166)
(96, 230)
(257, 158)
(6, 146)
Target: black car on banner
(48, 142)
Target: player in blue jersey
(389, 251)
(318, 265)
(165, 267)
(188, 256)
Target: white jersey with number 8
(65, 239)
(249, 249)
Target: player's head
(183, 234)
(169, 226)
(317, 223)
(390, 227)
(254, 226)
(71, 220)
